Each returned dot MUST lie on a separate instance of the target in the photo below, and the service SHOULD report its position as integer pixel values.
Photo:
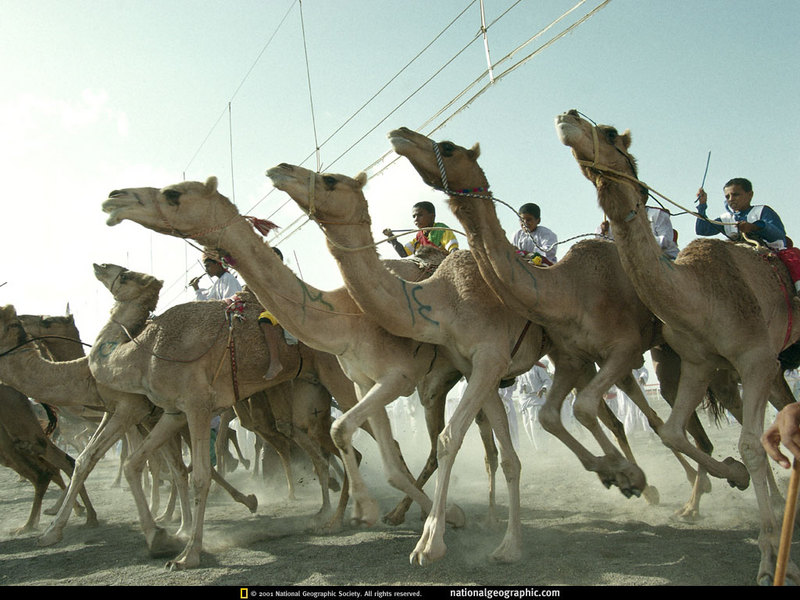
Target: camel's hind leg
(167, 427)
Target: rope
(310, 96)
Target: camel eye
(329, 181)
(172, 196)
(611, 134)
(447, 148)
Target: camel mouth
(113, 208)
(400, 141)
(280, 174)
(568, 131)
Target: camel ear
(626, 138)
(475, 151)
(211, 184)
(361, 179)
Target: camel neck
(322, 319)
(67, 383)
(398, 305)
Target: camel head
(460, 165)
(602, 153)
(325, 197)
(595, 147)
(12, 334)
(129, 286)
(186, 209)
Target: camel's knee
(550, 418)
(341, 433)
(511, 465)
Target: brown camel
(27, 449)
(723, 306)
(382, 366)
(453, 309)
(189, 361)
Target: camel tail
(713, 406)
(52, 420)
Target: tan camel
(723, 305)
(453, 309)
(27, 449)
(382, 366)
(70, 383)
(585, 302)
(191, 362)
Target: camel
(382, 366)
(453, 309)
(723, 306)
(187, 363)
(585, 302)
(71, 384)
(27, 449)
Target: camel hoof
(455, 516)
(49, 538)
(651, 495)
(251, 502)
(162, 544)
(740, 477)
(397, 517)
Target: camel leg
(490, 460)
(110, 430)
(61, 460)
(693, 383)
(172, 456)
(482, 385)
(510, 549)
(234, 439)
(434, 422)
(611, 468)
(320, 463)
(371, 408)
(755, 391)
(40, 481)
(251, 502)
(199, 420)
(167, 427)
(614, 469)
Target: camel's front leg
(108, 432)
(483, 382)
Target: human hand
(388, 232)
(746, 227)
(702, 197)
(604, 228)
(195, 281)
(785, 430)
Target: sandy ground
(575, 531)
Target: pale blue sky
(98, 95)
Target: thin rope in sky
(287, 234)
(239, 87)
(296, 225)
(310, 95)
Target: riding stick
(788, 525)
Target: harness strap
(519, 340)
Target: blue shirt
(770, 227)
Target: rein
(41, 337)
